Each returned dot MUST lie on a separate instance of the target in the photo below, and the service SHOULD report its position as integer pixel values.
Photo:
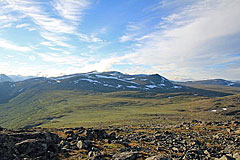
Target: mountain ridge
(221, 82)
(5, 78)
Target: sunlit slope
(73, 108)
(96, 99)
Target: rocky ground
(189, 140)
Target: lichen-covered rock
(126, 156)
(84, 144)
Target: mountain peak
(5, 78)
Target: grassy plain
(75, 108)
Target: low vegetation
(88, 109)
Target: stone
(84, 144)
(157, 157)
(112, 136)
(225, 157)
(68, 132)
(94, 155)
(125, 156)
(236, 156)
(32, 147)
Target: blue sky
(179, 39)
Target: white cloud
(22, 25)
(62, 59)
(6, 25)
(54, 38)
(192, 40)
(48, 25)
(86, 38)
(45, 43)
(128, 37)
(71, 9)
(11, 46)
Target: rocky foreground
(190, 140)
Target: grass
(74, 108)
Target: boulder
(35, 148)
(84, 144)
(112, 136)
(157, 157)
(93, 134)
(95, 155)
(126, 156)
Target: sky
(178, 39)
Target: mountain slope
(17, 78)
(220, 82)
(99, 82)
(115, 81)
(84, 98)
(4, 78)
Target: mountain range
(220, 82)
(14, 78)
(81, 97)
(5, 78)
(97, 82)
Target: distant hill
(17, 78)
(43, 99)
(220, 82)
(5, 78)
(99, 82)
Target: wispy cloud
(46, 43)
(11, 46)
(193, 39)
(62, 59)
(86, 38)
(48, 25)
(6, 25)
(72, 10)
(22, 25)
(128, 37)
(56, 39)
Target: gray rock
(225, 157)
(236, 156)
(126, 156)
(32, 147)
(158, 157)
(95, 155)
(84, 144)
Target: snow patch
(119, 86)
(129, 79)
(84, 79)
(132, 87)
(177, 87)
(64, 77)
(107, 77)
(230, 84)
(107, 85)
(151, 86)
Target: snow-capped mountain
(114, 81)
(98, 82)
